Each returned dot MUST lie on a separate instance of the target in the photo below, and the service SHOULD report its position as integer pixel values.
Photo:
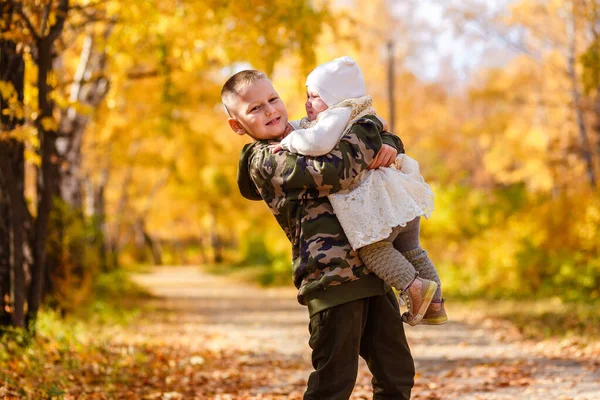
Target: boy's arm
(245, 182)
(321, 138)
(301, 177)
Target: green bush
(73, 257)
(509, 243)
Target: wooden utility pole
(391, 69)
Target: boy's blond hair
(238, 82)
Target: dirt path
(244, 342)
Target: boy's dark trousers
(370, 327)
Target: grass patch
(264, 275)
(539, 319)
(71, 351)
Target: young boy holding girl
(352, 311)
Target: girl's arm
(321, 138)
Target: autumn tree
(141, 78)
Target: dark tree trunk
(4, 256)
(391, 72)
(202, 250)
(152, 244)
(215, 239)
(17, 228)
(5, 266)
(14, 215)
(594, 14)
(47, 179)
(115, 240)
(586, 149)
(47, 182)
(597, 123)
(98, 209)
(115, 237)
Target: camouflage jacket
(326, 270)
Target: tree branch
(19, 8)
(7, 16)
(90, 19)
(45, 17)
(88, 6)
(93, 79)
(63, 9)
(143, 74)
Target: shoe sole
(441, 320)
(427, 297)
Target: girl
(380, 212)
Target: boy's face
(314, 105)
(259, 112)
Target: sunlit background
(115, 157)
(497, 100)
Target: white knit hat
(337, 81)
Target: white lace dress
(382, 199)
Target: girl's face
(314, 105)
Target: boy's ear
(236, 126)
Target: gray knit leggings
(398, 258)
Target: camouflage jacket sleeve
(295, 176)
(392, 140)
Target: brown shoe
(417, 296)
(436, 314)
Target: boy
(352, 312)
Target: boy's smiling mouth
(273, 121)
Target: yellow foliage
(495, 146)
(49, 124)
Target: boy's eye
(254, 108)
(274, 99)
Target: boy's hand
(384, 158)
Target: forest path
(246, 342)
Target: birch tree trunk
(88, 90)
(586, 150)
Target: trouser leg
(335, 335)
(371, 327)
(386, 351)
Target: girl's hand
(384, 158)
(275, 148)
